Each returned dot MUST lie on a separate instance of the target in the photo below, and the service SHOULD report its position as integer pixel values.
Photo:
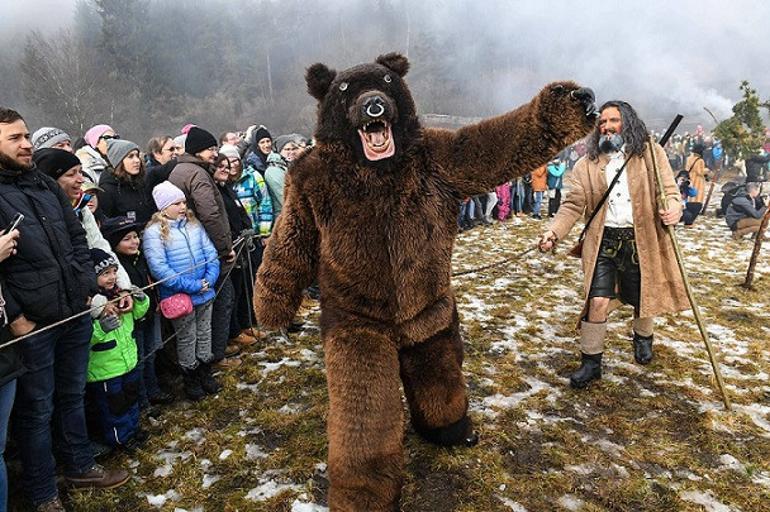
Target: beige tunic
(697, 168)
(662, 288)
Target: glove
(98, 301)
(138, 294)
(109, 323)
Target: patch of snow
(254, 452)
(271, 367)
(163, 471)
(508, 402)
(571, 502)
(268, 489)
(209, 480)
(225, 454)
(581, 469)
(195, 435)
(300, 505)
(706, 500)
(511, 504)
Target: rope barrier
(238, 241)
(496, 264)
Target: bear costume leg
(435, 388)
(365, 422)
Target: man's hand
(230, 256)
(8, 243)
(670, 216)
(547, 241)
(21, 326)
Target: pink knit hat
(93, 134)
(165, 194)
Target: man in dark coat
(49, 279)
(193, 175)
(744, 214)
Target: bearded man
(627, 255)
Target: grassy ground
(653, 438)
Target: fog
(664, 57)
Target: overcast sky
(663, 55)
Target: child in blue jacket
(177, 248)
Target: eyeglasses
(109, 137)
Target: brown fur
(379, 237)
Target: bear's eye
(344, 86)
(387, 79)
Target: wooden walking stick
(711, 190)
(696, 312)
(755, 253)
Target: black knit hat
(102, 260)
(115, 228)
(259, 134)
(198, 140)
(54, 162)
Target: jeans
(7, 392)
(53, 388)
(517, 196)
(538, 203)
(220, 318)
(148, 341)
(193, 336)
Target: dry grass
(642, 439)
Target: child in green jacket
(112, 380)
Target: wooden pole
(696, 311)
(755, 253)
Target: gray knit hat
(117, 149)
(48, 137)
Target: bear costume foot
(459, 433)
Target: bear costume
(371, 212)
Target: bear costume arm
(479, 157)
(290, 261)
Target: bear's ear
(319, 78)
(394, 61)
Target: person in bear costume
(371, 211)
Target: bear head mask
(367, 107)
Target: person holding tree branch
(626, 255)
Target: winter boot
(192, 385)
(590, 369)
(643, 328)
(591, 347)
(642, 348)
(208, 382)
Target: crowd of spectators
(126, 269)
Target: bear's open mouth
(377, 140)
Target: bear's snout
(372, 106)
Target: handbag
(176, 306)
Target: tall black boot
(642, 348)
(192, 385)
(208, 382)
(590, 369)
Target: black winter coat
(139, 273)
(124, 197)
(10, 358)
(51, 276)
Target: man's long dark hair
(634, 131)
